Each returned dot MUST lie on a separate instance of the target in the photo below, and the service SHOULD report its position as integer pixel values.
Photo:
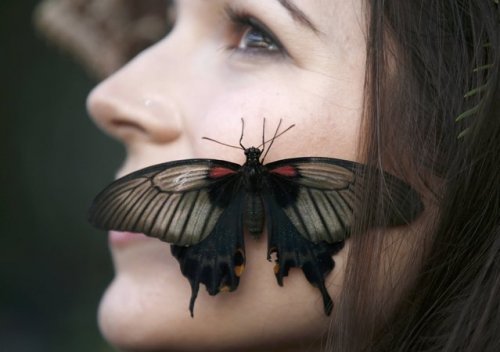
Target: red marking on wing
(218, 172)
(287, 171)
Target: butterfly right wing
(310, 204)
(178, 202)
(320, 196)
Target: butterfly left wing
(310, 204)
(195, 205)
(219, 260)
(178, 202)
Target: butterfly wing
(219, 260)
(310, 204)
(178, 202)
(196, 205)
(294, 250)
(319, 196)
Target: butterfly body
(202, 207)
(251, 173)
(252, 176)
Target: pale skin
(200, 80)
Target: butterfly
(202, 207)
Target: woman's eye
(256, 38)
(252, 36)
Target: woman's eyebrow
(298, 15)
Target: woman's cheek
(222, 120)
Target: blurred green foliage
(53, 266)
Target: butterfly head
(253, 155)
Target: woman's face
(300, 61)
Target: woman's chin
(146, 306)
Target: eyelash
(246, 24)
(243, 24)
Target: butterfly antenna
(242, 131)
(227, 145)
(272, 140)
(263, 134)
(276, 135)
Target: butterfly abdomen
(254, 213)
(252, 172)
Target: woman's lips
(120, 239)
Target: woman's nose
(134, 105)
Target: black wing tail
(219, 260)
(293, 250)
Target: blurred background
(54, 266)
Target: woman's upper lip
(119, 238)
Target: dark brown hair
(425, 61)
